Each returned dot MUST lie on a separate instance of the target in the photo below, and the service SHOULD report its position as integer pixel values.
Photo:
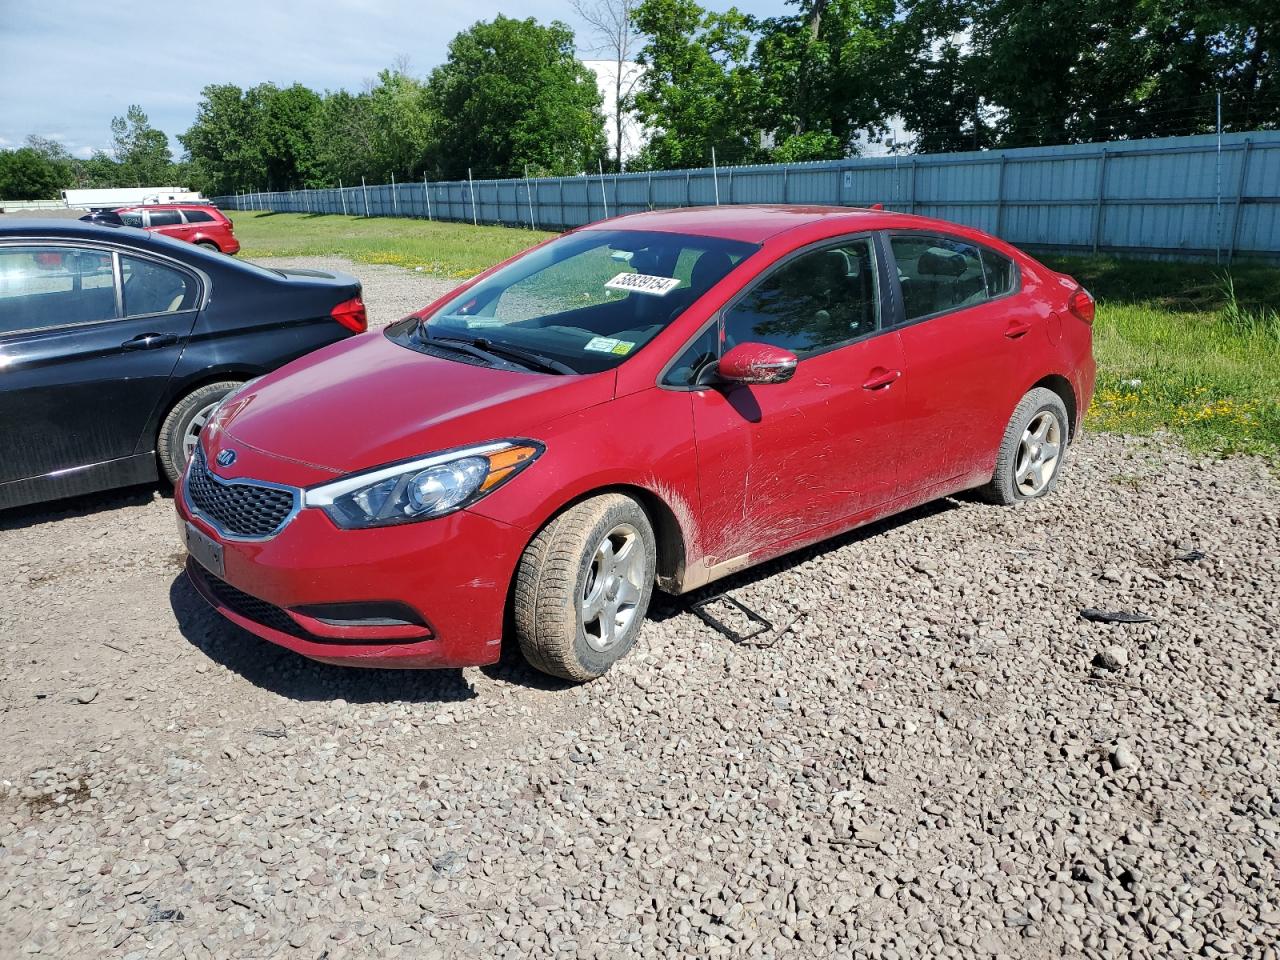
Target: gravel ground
(932, 755)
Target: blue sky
(67, 68)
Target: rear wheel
(1032, 451)
(180, 431)
(583, 587)
(209, 245)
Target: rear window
(942, 274)
(163, 218)
(131, 219)
(197, 216)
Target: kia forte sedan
(116, 345)
(653, 401)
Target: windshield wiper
(526, 357)
(482, 347)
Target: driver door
(778, 462)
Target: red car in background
(657, 400)
(200, 223)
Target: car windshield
(580, 304)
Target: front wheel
(583, 587)
(1032, 450)
(180, 431)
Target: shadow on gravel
(82, 506)
(290, 675)
(664, 606)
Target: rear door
(780, 461)
(968, 341)
(167, 222)
(88, 339)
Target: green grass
(1186, 347)
(455, 250)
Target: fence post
(1097, 207)
(688, 186)
(786, 183)
(604, 197)
(426, 193)
(365, 187)
(913, 185)
(395, 199)
(715, 175)
(563, 221)
(475, 220)
(1240, 186)
(1000, 198)
(528, 189)
(648, 192)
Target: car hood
(368, 401)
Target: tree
(140, 149)
(699, 89)
(511, 94)
(827, 75)
(28, 174)
(613, 25)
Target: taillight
(1081, 304)
(351, 314)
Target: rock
(1111, 658)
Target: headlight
(423, 488)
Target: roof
(71, 229)
(752, 223)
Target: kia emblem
(226, 457)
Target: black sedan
(117, 344)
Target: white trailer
(129, 196)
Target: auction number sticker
(643, 283)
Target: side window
(197, 216)
(131, 219)
(164, 218)
(816, 301)
(42, 287)
(937, 274)
(695, 360)
(1002, 275)
(152, 288)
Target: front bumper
(454, 572)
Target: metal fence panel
(1179, 196)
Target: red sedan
(656, 400)
(199, 223)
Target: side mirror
(757, 363)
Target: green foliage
(699, 89)
(513, 94)
(141, 151)
(27, 174)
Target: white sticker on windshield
(643, 283)
(609, 345)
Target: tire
(209, 245)
(183, 425)
(559, 582)
(1039, 426)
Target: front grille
(249, 607)
(239, 509)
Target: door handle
(150, 341)
(1017, 328)
(881, 378)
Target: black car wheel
(180, 431)
(208, 245)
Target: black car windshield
(581, 304)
